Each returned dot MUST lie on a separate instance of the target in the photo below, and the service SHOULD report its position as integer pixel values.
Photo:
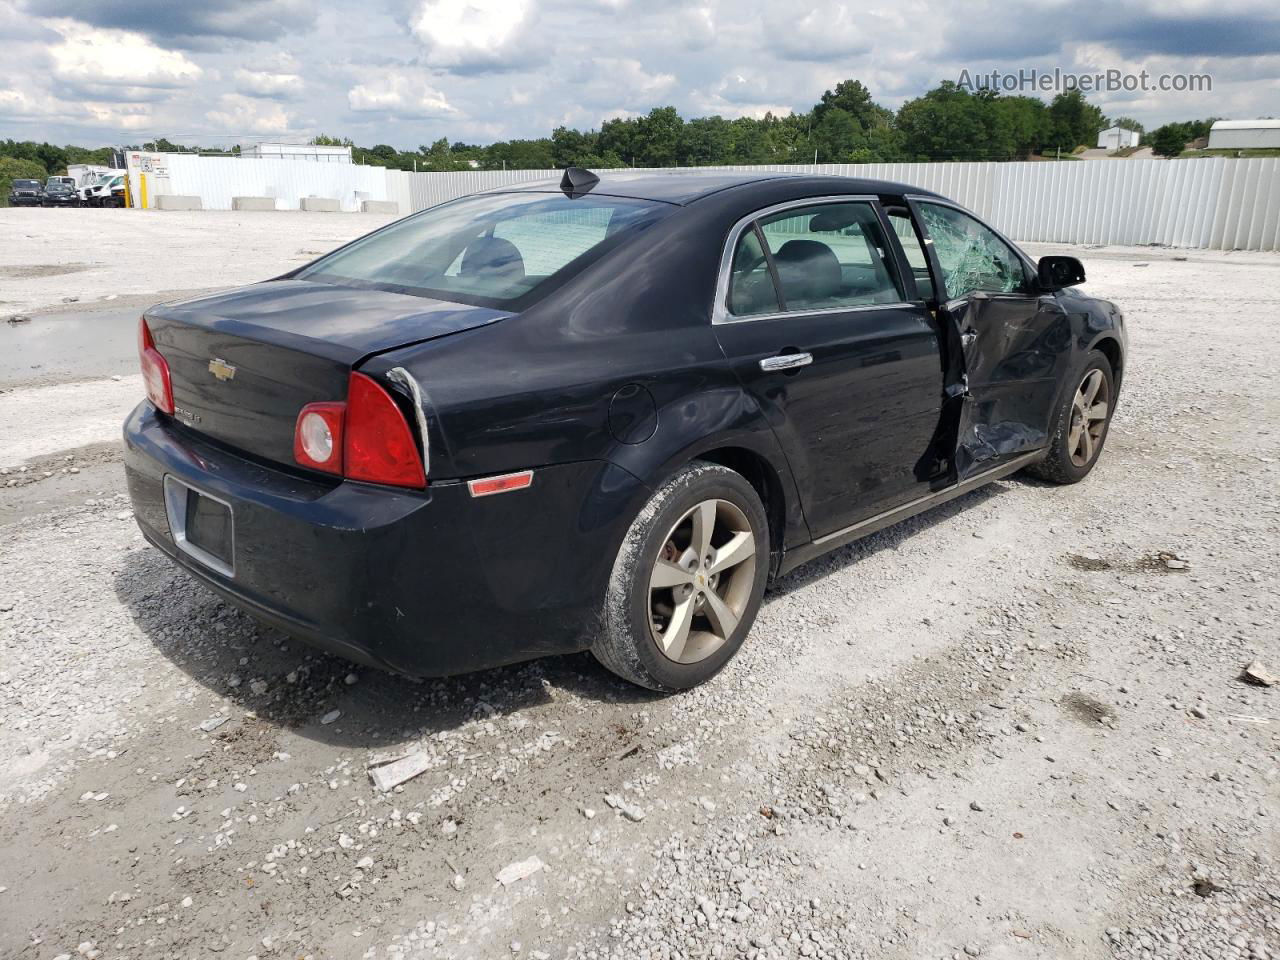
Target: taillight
(379, 445)
(367, 438)
(155, 370)
(317, 437)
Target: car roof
(685, 186)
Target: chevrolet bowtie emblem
(221, 369)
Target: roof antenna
(577, 181)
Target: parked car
(68, 181)
(25, 193)
(59, 194)
(603, 415)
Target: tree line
(846, 125)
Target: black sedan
(59, 194)
(602, 414)
(25, 193)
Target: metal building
(297, 151)
(1244, 134)
(1117, 138)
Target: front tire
(687, 582)
(1080, 425)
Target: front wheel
(1080, 424)
(687, 582)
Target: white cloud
(100, 60)
(822, 33)
(281, 86)
(37, 105)
(400, 92)
(127, 116)
(480, 70)
(472, 33)
(18, 103)
(630, 76)
(237, 114)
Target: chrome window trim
(720, 308)
(175, 508)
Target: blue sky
(407, 72)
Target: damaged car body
(601, 414)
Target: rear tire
(1080, 425)
(688, 581)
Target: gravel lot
(48, 257)
(1013, 728)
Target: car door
(1011, 339)
(814, 313)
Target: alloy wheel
(701, 581)
(1089, 411)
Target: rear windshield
(495, 250)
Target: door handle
(968, 338)
(786, 361)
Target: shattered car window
(971, 256)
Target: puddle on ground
(69, 346)
(29, 271)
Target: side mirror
(1056, 273)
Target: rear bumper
(427, 583)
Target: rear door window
(905, 230)
(831, 256)
(751, 288)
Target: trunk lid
(244, 362)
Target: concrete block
(176, 201)
(253, 203)
(379, 206)
(319, 205)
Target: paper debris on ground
(388, 776)
(518, 871)
(1257, 673)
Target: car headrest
(808, 269)
(490, 256)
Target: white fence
(215, 180)
(1215, 203)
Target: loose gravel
(1013, 727)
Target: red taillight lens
(317, 436)
(379, 446)
(155, 370)
(367, 438)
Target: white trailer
(86, 173)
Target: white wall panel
(1216, 202)
(217, 179)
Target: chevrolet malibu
(601, 414)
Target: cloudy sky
(407, 72)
